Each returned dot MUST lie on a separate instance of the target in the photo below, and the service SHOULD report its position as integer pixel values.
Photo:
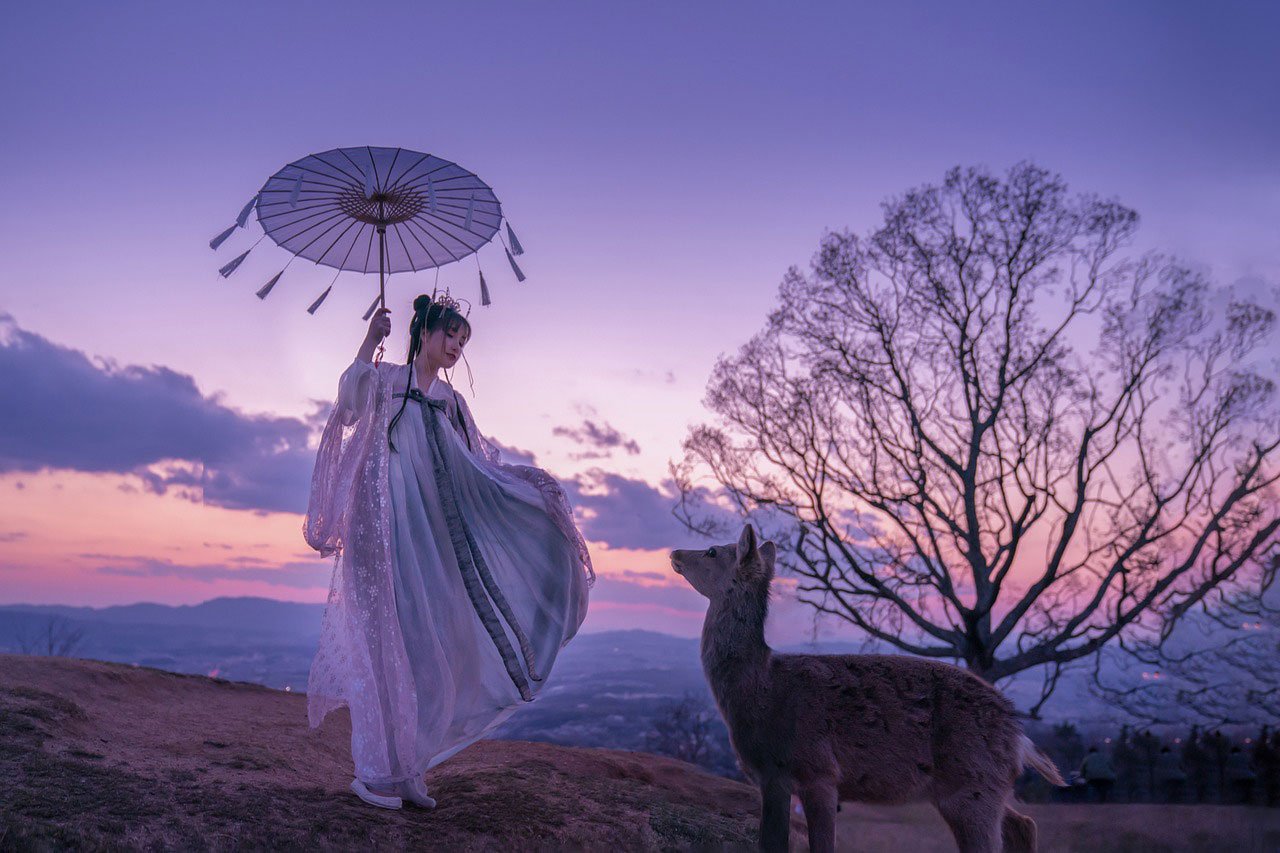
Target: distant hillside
(606, 688)
(101, 755)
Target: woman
(457, 578)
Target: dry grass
(98, 756)
(1132, 828)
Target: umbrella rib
(430, 254)
(330, 222)
(358, 167)
(426, 216)
(324, 205)
(343, 265)
(281, 176)
(331, 245)
(369, 251)
(339, 169)
(400, 180)
(439, 242)
(319, 212)
(408, 255)
(390, 168)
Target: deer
(874, 728)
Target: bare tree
(683, 731)
(950, 469)
(1219, 666)
(56, 636)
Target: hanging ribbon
(221, 238)
(484, 290)
(516, 248)
(431, 194)
(230, 267)
(297, 188)
(471, 209)
(266, 288)
(316, 304)
(373, 307)
(245, 211)
(514, 266)
(369, 187)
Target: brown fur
(872, 728)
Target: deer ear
(746, 543)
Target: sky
(663, 164)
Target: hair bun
(421, 303)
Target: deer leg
(975, 819)
(820, 803)
(775, 814)
(1018, 832)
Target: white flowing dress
(450, 681)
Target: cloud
(677, 596)
(61, 410)
(298, 575)
(623, 512)
(600, 436)
(513, 455)
(12, 535)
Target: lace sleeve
(354, 389)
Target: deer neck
(734, 653)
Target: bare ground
(96, 756)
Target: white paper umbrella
(385, 209)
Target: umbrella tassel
(316, 304)
(245, 211)
(221, 238)
(471, 209)
(514, 266)
(372, 308)
(431, 194)
(516, 248)
(230, 267)
(266, 288)
(297, 188)
(484, 291)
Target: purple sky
(663, 164)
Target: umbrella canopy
(371, 209)
(330, 207)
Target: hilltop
(99, 754)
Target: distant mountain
(607, 689)
(256, 615)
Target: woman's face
(444, 346)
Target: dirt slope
(104, 755)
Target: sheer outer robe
(361, 661)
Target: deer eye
(711, 552)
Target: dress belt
(476, 576)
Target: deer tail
(1030, 755)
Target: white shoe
(415, 791)
(380, 800)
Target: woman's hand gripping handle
(379, 328)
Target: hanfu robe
(457, 578)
